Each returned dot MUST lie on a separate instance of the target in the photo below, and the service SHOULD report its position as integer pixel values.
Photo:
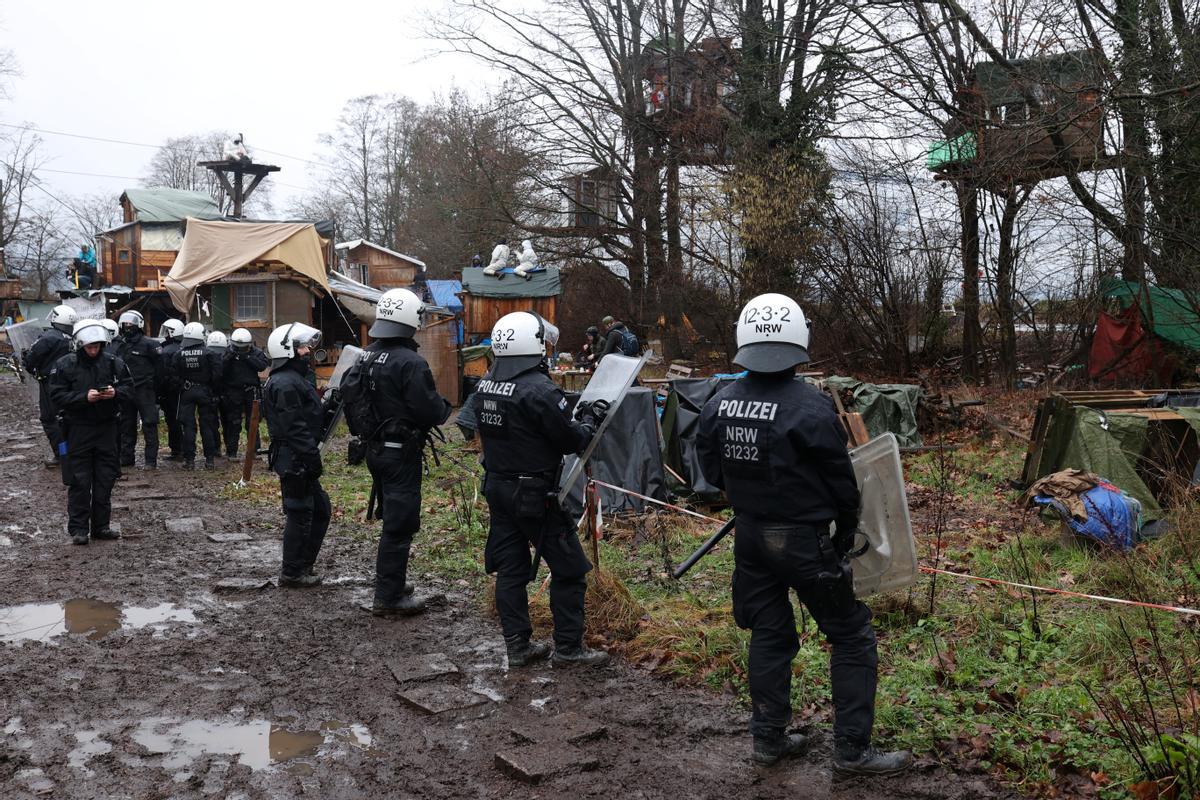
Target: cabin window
(250, 301)
(122, 256)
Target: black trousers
(198, 400)
(307, 510)
(769, 561)
(143, 404)
(48, 417)
(397, 476)
(508, 555)
(91, 471)
(169, 403)
(236, 405)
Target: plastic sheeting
(627, 455)
(885, 407)
(1122, 351)
(680, 423)
(171, 205)
(540, 284)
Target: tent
(212, 249)
(1131, 346)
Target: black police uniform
(52, 345)
(197, 372)
(778, 449)
(90, 430)
(143, 356)
(168, 397)
(404, 397)
(294, 420)
(526, 429)
(239, 387)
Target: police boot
(107, 533)
(852, 759)
(406, 606)
(53, 463)
(299, 581)
(79, 538)
(210, 463)
(578, 654)
(150, 466)
(522, 651)
(770, 749)
(189, 465)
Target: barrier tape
(935, 571)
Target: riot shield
(348, 358)
(610, 382)
(890, 562)
(22, 336)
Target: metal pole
(703, 549)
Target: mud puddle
(81, 616)
(257, 744)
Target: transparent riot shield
(890, 561)
(610, 382)
(347, 359)
(22, 336)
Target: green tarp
(885, 407)
(1170, 314)
(171, 205)
(540, 284)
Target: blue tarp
(1113, 517)
(445, 294)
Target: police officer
(88, 387)
(295, 420)
(171, 334)
(406, 404)
(241, 366)
(526, 429)
(197, 371)
(217, 343)
(53, 344)
(776, 446)
(143, 356)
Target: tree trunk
(968, 210)
(1006, 263)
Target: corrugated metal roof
(160, 204)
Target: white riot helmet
(62, 318)
(170, 329)
(241, 339)
(772, 334)
(519, 343)
(283, 341)
(132, 318)
(193, 334)
(398, 315)
(111, 327)
(217, 339)
(89, 331)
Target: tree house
(591, 202)
(693, 108)
(1041, 121)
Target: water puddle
(92, 618)
(258, 743)
(5, 541)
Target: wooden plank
(855, 428)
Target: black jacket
(241, 368)
(74, 374)
(294, 417)
(614, 341)
(777, 447)
(525, 424)
(142, 355)
(195, 365)
(52, 345)
(170, 349)
(405, 391)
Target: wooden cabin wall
(384, 271)
(439, 348)
(481, 313)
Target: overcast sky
(145, 70)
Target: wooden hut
(139, 252)
(375, 265)
(487, 299)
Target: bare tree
(174, 166)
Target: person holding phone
(88, 387)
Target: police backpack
(357, 388)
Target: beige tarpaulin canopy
(213, 249)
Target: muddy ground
(153, 684)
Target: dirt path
(149, 683)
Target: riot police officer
(88, 387)
(776, 446)
(143, 356)
(404, 405)
(295, 420)
(197, 371)
(168, 389)
(53, 344)
(241, 366)
(526, 428)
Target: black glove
(312, 464)
(844, 541)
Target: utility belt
(534, 494)
(186, 384)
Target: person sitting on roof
(499, 261)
